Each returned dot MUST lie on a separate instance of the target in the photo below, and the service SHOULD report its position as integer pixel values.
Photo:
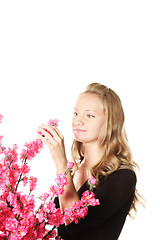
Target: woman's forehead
(88, 102)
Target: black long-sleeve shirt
(105, 221)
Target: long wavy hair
(116, 153)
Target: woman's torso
(105, 221)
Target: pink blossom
(53, 122)
(49, 207)
(24, 207)
(41, 216)
(56, 218)
(3, 236)
(25, 169)
(1, 137)
(4, 175)
(44, 196)
(1, 117)
(11, 224)
(78, 210)
(92, 180)
(11, 198)
(70, 164)
(14, 174)
(61, 180)
(25, 181)
(33, 183)
(89, 199)
(11, 154)
(55, 191)
(33, 148)
(15, 147)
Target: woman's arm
(55, 142)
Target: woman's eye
(75, 114)
(90, 116)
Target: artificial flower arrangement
(18, 217)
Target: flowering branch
(20, 220)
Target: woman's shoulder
(120, 182)
(124, 172)
(120, 176)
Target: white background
(51, 50)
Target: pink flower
(53, 122)
(25, 169)
(33, 148)
(1, 137)
(56, 191)
(11, 224)
(56, 218)
(41, 216)
(11, 198)
(4, 175)
(33, 183)
(25, 181)
(49, 207)
(92, 180)
(14, 174)
(78, 210)
(61, 180)
(89, 199)
(11, 154)
(70, 164)
(26, 207)
(44, 196)
(1, 117)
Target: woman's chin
(78, 139)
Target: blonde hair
(112, 138)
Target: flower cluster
(80, 209)
(18, 217)
(31, 150)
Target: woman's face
(88, 118)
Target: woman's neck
(92, 154)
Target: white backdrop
(50, 51)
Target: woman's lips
(79, 130)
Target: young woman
(100, 149)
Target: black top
(105, 221)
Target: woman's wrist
(61, 167)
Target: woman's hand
(55, 142)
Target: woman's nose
(79, 121)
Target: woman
(100, 149)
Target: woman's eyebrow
(87, 110)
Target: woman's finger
(46, 135)
(43, 139)
(58, 132)
(53, 131)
